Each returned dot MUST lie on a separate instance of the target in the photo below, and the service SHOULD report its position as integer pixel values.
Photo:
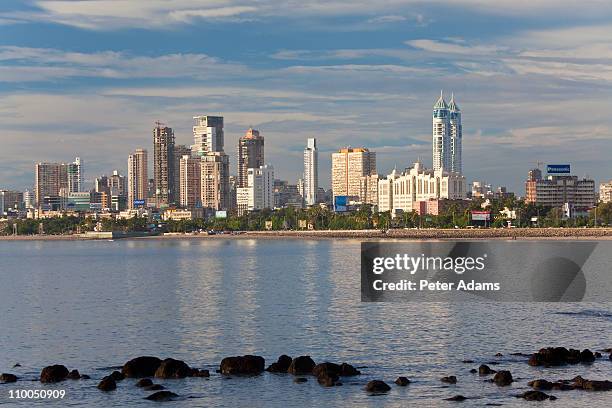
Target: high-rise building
(250, 154)
(179, 152)
(117, 184)
(368, 190)
(447, 135)
(259, 192)
(348, 166)
(207, 135)
(50, 179)
(311, 172)
(75, 176)
(137, 178)
(215, 181)
(10, 200)
(190, 172)
(163, 164)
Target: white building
(605, 192)
(418, 184)
(75, 176)
(207, 135)
(447, 134)
(385, 192)
(311, 172)
(259, 193)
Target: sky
(89, 78)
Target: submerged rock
(299, 380)
(592, 385)
(242, 365)
(377, 386)
(74, 375)
(347, 370)
(200, 373)
(162, 396)
(557, 356)
(301, 365)
(117, 376)
(536, 396)
(503, 378)
(402, 381)
(451, 379)
(53, 374)
(144, 382)
(171, 368)
(139, 367)
(485, 370)
(85, 377)
(107, 384)
(8, 378)
(156, 387)
(281, 365)
(457, 398)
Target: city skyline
(534, 85)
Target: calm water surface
(94, 305)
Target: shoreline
(398, 234)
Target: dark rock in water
(171, 368)
(468, 361)
(485, 370)
(74, 375)
(327, 380)
(281, 365)
(592, 385)
(144, 382)
(377, 386)
(473, 371)
(536, 396)
(299, 380)
(117, 376)
(8, 378)
(242, 365)
(610, 357)
(451, 379)
(540, 385)
(107, 384)
(85, 377)
(162, 396)
(53, 374)
(139, 367)
(402, 381)
(156, 387)
(326, 369)
(301, 365)
(347, 370)
(587, 356)
(200, 373)
(457, 398)
(338, 384)
(499, 355)
(16, 365)
(597, 354)
(503, 378)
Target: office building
(214, 188)
(190, 173)
(311, 172)
(50, 178)
(10, 200)
(138, 181)
(163, 164)
(368, 189)
(179, 152)
(447, 135)
(259, 193)
(207, 135)
(348, 166)
(560, 191)
(250, 154)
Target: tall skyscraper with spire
(447, 135)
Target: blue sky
(89, 78)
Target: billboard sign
(481, 216)
(221, 214)
(341, 203)
(139, 203)
(558, 169)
